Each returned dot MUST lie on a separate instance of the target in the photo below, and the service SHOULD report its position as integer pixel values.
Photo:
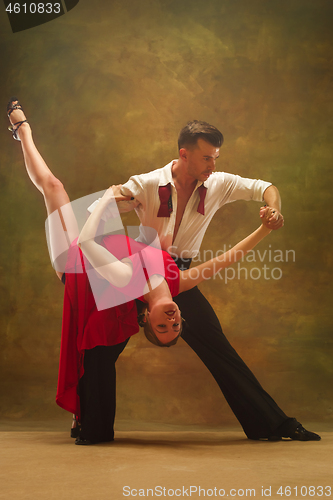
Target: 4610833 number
(305, 491)
(33, 8)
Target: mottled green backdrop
(106, 89)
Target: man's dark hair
(195, 130)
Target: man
(179, 201)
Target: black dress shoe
(301, 434)
(298, 434)
(83, 442)
(87, 442)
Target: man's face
(200, 160)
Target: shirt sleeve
(242, 188)
(133, 187)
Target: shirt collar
(166, 177)
(165, 195)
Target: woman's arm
(192, 277)
(115, 271)
(273, 200)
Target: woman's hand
(271, 218)
(102, 210)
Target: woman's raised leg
(53, 191)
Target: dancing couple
(178, 201)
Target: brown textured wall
(106, 88)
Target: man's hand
(271, 217)
(118, 194)
(110, 196)
(125, 203)
(114, 193)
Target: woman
(94, 335)
(162, 317)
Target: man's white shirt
(221, 187)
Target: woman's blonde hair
(144, 322)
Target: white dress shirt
(221, 187)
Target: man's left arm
(273, 200)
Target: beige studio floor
(40, 463)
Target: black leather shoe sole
(86, 442)
(299, 434)
(268, 438)
(83, 442)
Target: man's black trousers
(256, 411)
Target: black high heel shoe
(75, 431)
(10, 108)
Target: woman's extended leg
(55, 195)
(53, 191)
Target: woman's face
(166, 321)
